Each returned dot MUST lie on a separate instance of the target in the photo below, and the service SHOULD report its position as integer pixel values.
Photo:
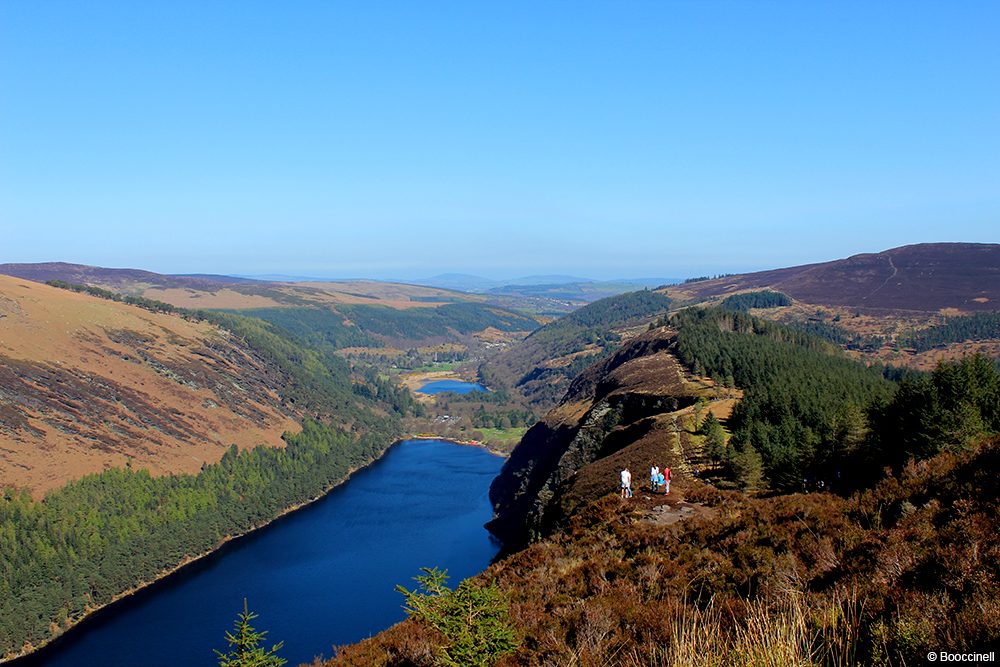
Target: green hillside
(541, 366)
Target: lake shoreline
(22, 658)
(465, 443)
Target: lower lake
(319, 577)
(456, 386)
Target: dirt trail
(671, 512)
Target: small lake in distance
(455, 386)
(318, 577)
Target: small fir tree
(244, 645)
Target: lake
(321, 576)
(456, 386)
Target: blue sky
(404, 139)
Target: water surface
(319, 577)
(456, 386)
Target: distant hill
(463, 282)
(418, 314)
(928, 277)
(469, 283)
(116, 278)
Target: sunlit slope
(87, 383)
(926, 277)
(226, 292)
(911, 306)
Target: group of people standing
(658, 479)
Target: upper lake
(456, 386)
(318, 577)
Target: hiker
(626, 483)
(654, 478)
(666, 480)
(661, 480)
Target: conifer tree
(244, 645)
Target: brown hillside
(210, 291)
(87, 383)
(926, 277)
(122, 279)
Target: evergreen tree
(715, 438)
(748, 469)
(244, 645)
(474, 621)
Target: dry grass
(93, 383)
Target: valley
(394, 334)
(754, 398)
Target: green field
(503, 439)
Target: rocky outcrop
(609, 407)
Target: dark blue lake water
(321, 576)
(456, 386)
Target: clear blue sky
(403, 139)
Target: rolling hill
(88, 383)
(911, 306)
(369, 313)
(927, 278)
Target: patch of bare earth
(87, 383)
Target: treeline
(811, 416)
(797, 391)
(953, 406)
(419, 323)
(141, 301)
(979, 326)
(701, 279)
(318, 381)
(315, 326)
(482, 418)
(492, 409)
(840, 336)
(104, 534)
(300, 342)
(762, 299)
(398, 397)
(613, 310)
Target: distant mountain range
(469, 283)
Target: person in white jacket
(626, 490)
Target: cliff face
(620, 412)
